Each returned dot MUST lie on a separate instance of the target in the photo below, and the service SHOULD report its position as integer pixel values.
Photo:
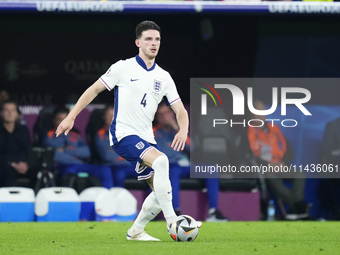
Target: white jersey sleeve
(171, 93)
(113, 76)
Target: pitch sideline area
(214, 238)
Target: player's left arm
(183, 122)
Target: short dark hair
(58, 110)
(8, 102)
(146, 25)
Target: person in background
(4, 96)
(72, 153)
(165, 130)
(14, 146)
(329, 189)
(270, 147)
(121, 169)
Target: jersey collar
(141, 62)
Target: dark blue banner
(156, 7)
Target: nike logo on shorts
(134, 79)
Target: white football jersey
(138, 92)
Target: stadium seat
(16, 204)
(116, 204)
(57, 204)
(87, 199)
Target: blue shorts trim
(146, 174)
(133, 148)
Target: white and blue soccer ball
(184, 229)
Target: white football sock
(150, 209)
(162, 187)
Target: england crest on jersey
(140, 145)
(157, 85)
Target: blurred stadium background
(44, 49)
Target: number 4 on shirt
(143, 102)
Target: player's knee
(161, 164)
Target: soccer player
(140, 85)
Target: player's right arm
(86, 98)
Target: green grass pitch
(213, 238)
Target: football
(183, 229)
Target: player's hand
(64, 127)
(179, 141)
